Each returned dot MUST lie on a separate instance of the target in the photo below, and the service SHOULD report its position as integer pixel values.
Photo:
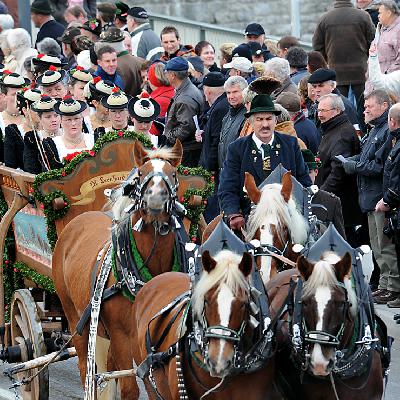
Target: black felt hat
(69, 34)
(45, 104)
(43, 7)
(93, 26)
(144, 109)
(117, 100)
(14, 80)
(122, 11)
(51, 77)
(69, 106)
(322, 75)
(28, 96)
(262, 103)
(214, 79)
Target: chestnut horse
(220, 306)
(328, 309)
(84, 237)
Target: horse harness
(195, 341)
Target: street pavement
(65, 382)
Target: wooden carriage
(35, 209)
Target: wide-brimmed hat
(262, 103)
(28, 96)
(69, 33)
(80, 74)
(97, 87)
(14, 80)
(51, 77)
(45, 104)
(46, 60)
(117, 100)
(112, 35)
(68, 106)
(144, 108)
(93, 26)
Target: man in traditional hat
(187, 103)
(121, 15)
(258, 154)
(41, 14)
(66, 40)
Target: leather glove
(236, 222)
(350, 167)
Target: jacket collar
(299, 116)
(185, 83)
(377, 122)
(343, 3)
(333, 122)
(233, 111)
(141, 28)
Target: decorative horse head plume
(275, 220)
(220, 305)
(329, 306)
(152, 185)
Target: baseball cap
(241, 64)
(254, 29)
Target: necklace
(73, 141)
(50, 134)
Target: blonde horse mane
(272, 204)
(225, 272)
(323, 274)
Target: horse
(276, 222)
(220, 307)
(323, 317)
(89, 234)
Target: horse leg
(102, 362)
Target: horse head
(152, 186)
(275, 222)
(328, 302)
(221, 308)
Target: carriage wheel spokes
(26, 331)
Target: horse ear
(177, 151)
(139, 154)
(343, 267)
(208, 262)
(286, 186)
(305, 267)
(251, 188)
(246, 264)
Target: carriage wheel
(26, 331)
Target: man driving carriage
(259, 154)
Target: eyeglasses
(320, 111)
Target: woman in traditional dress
(144, 111)
(52, 83)
(14, 134)
(73, 139)
(35, 155)
(117, 105)
(94, 91)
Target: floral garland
(42, 281)
(194, 212)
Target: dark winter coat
(343, 36)
(339, 137)
(243, 157)
(230, 130)
(13, 147)
(212, 130)
(307, 131)
(371, 162)
(391, 175)
(52, 29)
(187, 102)
(129, 70)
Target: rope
(333, 386)
(217, 386)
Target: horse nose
(320, 369)
(218, 368)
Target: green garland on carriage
(16, 272)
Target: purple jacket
(388, 43)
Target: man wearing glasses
(338, 138)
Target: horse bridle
(302, 337)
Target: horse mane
(273, 204)
(225, 272)
(119, 202)
(323, 274)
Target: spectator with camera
(390, 203)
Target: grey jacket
(187, 102)
(231, 126)
(144, 40)
(371, 162)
